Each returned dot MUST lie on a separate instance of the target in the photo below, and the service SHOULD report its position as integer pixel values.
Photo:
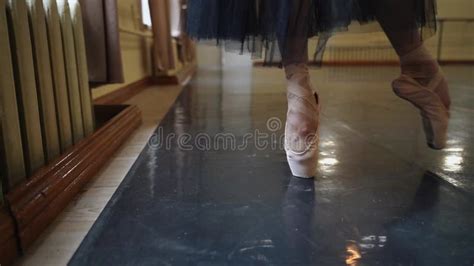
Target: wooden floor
(61, 239)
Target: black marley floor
(213, 186)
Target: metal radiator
(45, 100)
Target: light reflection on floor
(375, 200)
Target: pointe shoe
(434, 103)
(302, 120)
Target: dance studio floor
(212, 186)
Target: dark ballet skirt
(263, 27)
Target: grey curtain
(102, 38)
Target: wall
(457, 44)
(458, 41)
(456, 8)
(136, 50)
(208, 55)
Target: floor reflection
(298, 210)
(373, 203)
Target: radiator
(11, 154)
(45, 99)
(44, 78)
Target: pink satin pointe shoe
(302, 126)
(433, 101)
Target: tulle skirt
(265, 28)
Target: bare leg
(303, 113)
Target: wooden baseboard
(35, 203)
(456, 62)
(364, 63)
(180, 78)
(334, 63)
(8, 241)
(389, 63)
(123, 94)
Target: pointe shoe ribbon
(434, 111)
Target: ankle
(419, 64)
(300, 69)
(299, 81)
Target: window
(145, 12)
(175, 17)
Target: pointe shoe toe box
(303, 166)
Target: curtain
(161, 26)
(102, 38)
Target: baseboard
(456, 62)
(8, 241)
(36, 203)
(124, 93)
(363, 63)
(182, 77)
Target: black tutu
(261, 27)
